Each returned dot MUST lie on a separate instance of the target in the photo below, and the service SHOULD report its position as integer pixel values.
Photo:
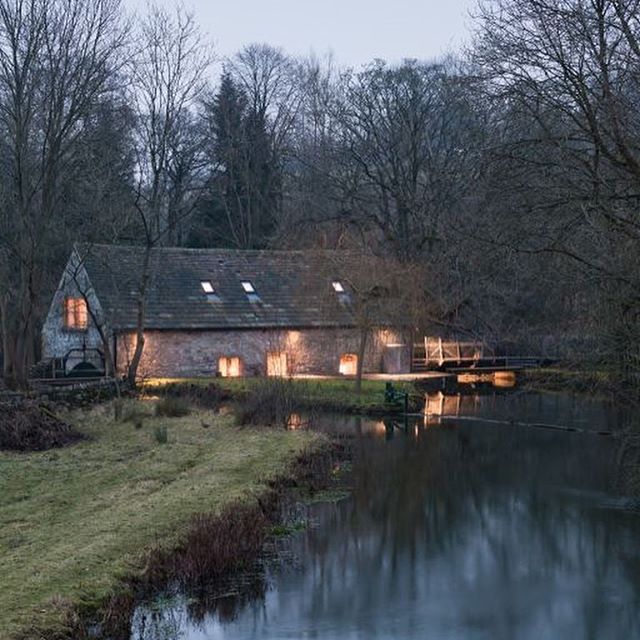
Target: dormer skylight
(343, 295)
(210, 291)
(250, 290)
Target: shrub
(219, 543)
(29, 426)
(270, 402)
(172, 407)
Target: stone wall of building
(197, 353)
(179, 353)
(59, 341)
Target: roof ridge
(101, 245)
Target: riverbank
(322, 394)
(600, 382)
(79, 524)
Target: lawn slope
(75, 521)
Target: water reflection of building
(438, 404)
(296, 422)
(501, 379)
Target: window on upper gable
(76, 315)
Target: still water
(454, 530)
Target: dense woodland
(506, 175)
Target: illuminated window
(277, 365)
(210, 291)
(250, 290)
(348, 364)
(230, 367)
(343, 295)
(75, 313)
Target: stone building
(213, 312)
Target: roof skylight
(247, 286)
(337, 286)
(210, 291)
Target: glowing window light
(76, 315)
(229, 367)
(348, 364)
(277, 365)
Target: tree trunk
(7, 355)
(132, 371)
(362, 347)
(25, 334)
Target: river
(454, 529)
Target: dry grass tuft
(270, 402)
(172, 407)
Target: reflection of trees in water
(492, 504)
(491, 530)
(628, 461)
(163, 620)
(167, 616)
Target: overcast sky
(355, 31)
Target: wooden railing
(436, 353)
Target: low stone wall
(197, 353)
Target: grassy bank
(573, 380)
(74, 522)
(331, 394)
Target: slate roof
(294, 288)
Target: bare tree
(411, 131)
(381, 294)
(570, 69)
(270, 79)
(56, 62)
(319, 180)
(168, 79)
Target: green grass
(588, 379)
(74, 522)
(333, 393)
